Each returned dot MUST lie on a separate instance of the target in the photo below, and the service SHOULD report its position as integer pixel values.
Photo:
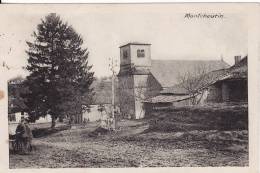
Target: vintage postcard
(165, 87)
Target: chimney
(237, 59)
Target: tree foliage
(16, 89)
(60, 78)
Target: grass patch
(40, 132)
(199, 118)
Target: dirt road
(133, 146)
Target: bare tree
(194, 82)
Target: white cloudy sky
(105, 27)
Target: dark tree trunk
(53, 123)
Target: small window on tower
(140, 53)
(125, 54)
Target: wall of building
(140, 94)
(228, 91)
(225, 90)
(16, 117)
(214, 93)
(126, 96)
(154, 86)
(141, 61)
(235, 90)
(134, 89)
(125, 60)
(45, 119)
(202, 98)
(94, 114)
(146, 86)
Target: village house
(101, 104)
(220, 86)
(141, 77)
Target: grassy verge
(233, 117)
(40, 132)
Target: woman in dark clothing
(19, 133)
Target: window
(11, 117)
(125, 54)
(140, 53)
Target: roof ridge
(167, 71)
(134, 43)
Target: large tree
(60, 77)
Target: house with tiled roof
(218, 86)
(141, 77)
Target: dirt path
(131, 148)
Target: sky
(106, 27)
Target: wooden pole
(112, 68)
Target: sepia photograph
(125, 85)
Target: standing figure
(19, 133)
(28, 137)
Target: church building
(141, 77)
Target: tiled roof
(168, 71)
(167, 98)
(176, 89)
(238, 70)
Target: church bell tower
(135, 65)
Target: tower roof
(135, 43)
